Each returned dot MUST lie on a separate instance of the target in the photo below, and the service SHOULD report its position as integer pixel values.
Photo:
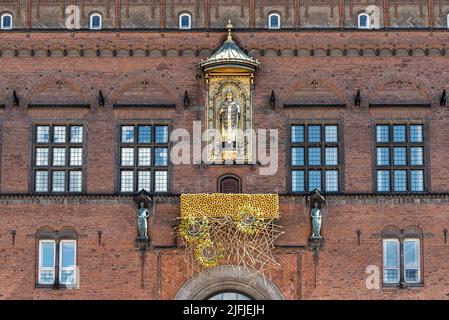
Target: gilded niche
(229, 76)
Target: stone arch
(74, 89)
(229, 278)
(143, 87)
(413, 90)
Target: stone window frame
(368, 22)
(91, 16)
(391, 145)
(340, 167)
(184, 14)
(401, 235)
(50, 168)
(135, 145)
(2, 16)
(56, 236)
(270, 26)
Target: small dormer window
(274, 21)
(6, 21)
(363, 21)
(95, 21)
(185, 21)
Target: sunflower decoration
(194, 229)
(249, 220)
(208, 253)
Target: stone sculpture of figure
(316, 222)
(142, 223)
(229, 112)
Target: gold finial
(229, 27)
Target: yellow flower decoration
(249, 220)
(194, 230)
(209, 254)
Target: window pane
(331, 133)
(59, 134)
(383, 156)
(67, 254)
(383, 180)
(314, 156)
(382, 133)
(144, 157)
(400, 156)
(314, 133)
(298, 181)
(127, 156)
(76, 156)
(58, 181)
(127, 134)
(297, 156)
(416, 156)
(400, 180)
(417, 180)
(161, 134)
(391, 258)
(43, 134)
(68, 276)
(314, 180)
(399, 133)
(331, 180)
(47, 254)
(161, 181)
(75, 181)
(160, 156)
(411, 253)
(144, 180)
(185, 21)
(41, 181)
(47, 276)
(6, 22)
(391, 275)
(144, 134)
(331, 156)
(59, 156)
(127, 181)
(411, 275)
(416, 133)
(41, 156)
(363, 21)
(297, 134)
(76, 134)
(274, 21)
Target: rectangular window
(400, 159)
(47, 251)
(58, 151)
(391, 261)
(412, 261)
(143, 149)
(67, 262)
(315, 158)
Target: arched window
(229, 184)
(363, 21)
(185, 21)
(6, 21)
(274, 21)
(95, 21)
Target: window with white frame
(274, 21)
(144, 156)
(51, 265)
(58, 158)
(363, 21)
(447, 20)
(6, 21)
(95, 21)
(401, 261)
(185, 21)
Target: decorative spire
(229, 26)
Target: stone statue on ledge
(142, 223)
(316, 221)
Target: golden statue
(229, 115)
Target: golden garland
(249, 220)
(209, 254)
(194, 229)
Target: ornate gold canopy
(229, 77)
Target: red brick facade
(388, 67)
